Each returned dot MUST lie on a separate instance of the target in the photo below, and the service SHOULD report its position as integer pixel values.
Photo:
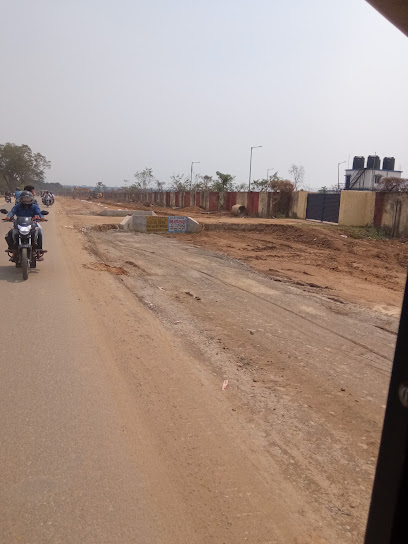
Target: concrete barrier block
(125, 223)
(193, 225)
(138, 223)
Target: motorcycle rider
(47, 195)
(17, 194)
(26, 207)
(31, 189)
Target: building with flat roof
(367, 177)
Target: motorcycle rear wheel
(24, 263)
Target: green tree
(225, 182)
(19, 166)
(262, 184)
(269, 184)
(100, 187)
(144, 178)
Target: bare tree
(144, 178)
(179, 182)
(392, 183)
(203, 183)
(283, 188)
(282, 185)
(266, 184)
(159, 186)
(225, 182)
(298, 174)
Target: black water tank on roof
(373, 162)
(388, 163)
(358, 163)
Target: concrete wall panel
(392, 213)
(357, 208)
(298, 205)
(263, 204)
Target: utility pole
(338, 174)
(250, 166)
(191, 173)
(267, 173)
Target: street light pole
(267, 173)
(250, 166)
(338, 174)
(191, 174)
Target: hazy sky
(104, 88)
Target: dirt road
(354, 264)
(115, 424)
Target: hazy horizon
(105, 89)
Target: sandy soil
(345, 262)
(318, 257)
(286, 453)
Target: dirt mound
(192, 209)
(309, 236)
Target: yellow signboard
(157, 224)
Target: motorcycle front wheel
(24, 263)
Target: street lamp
(250, 166)
(338, 174)
(267, 173)
(191, 175)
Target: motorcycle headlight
(23, 229)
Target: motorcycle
(47, 200)
(25, 237)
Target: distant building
(367, 178)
